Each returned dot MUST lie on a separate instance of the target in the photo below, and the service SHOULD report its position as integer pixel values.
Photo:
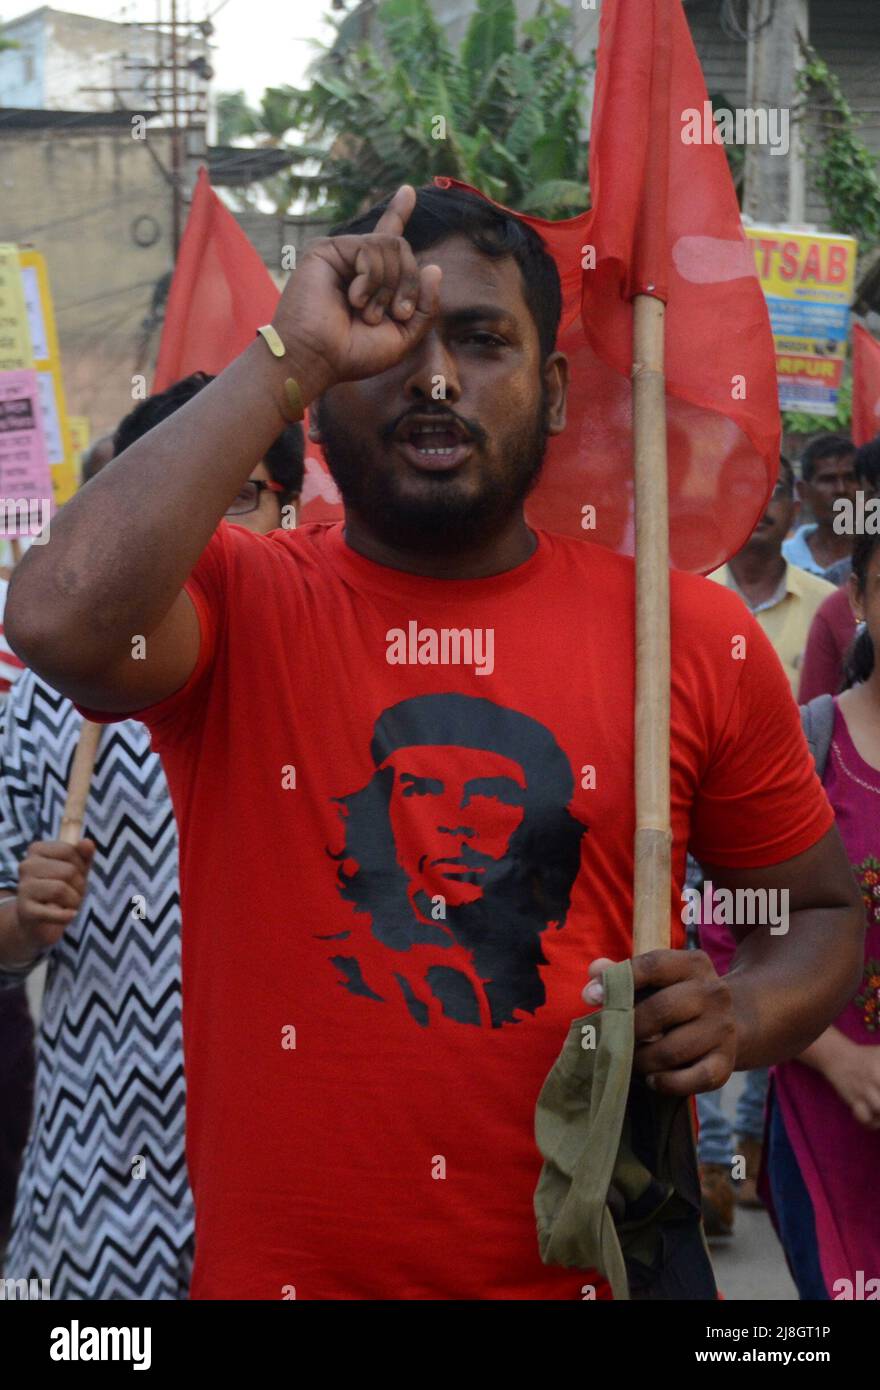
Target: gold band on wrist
(272, 340)
(295, 410)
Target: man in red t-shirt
(401, 757)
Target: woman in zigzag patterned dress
(103, 1208)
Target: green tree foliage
(843, 168)
(844, 172)
(503, 113)
(266, 127)
(799, 422)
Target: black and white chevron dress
(103, 1207)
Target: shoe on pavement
(746, 1192)
(717, 1199)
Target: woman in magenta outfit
(823, 1161)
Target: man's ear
(555, 374)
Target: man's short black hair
(283, 459)
(157, 408)
(443, 213)
(867, 464)
(824, 446)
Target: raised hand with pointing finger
(356, 305)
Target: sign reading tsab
(808, 279)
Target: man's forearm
(787, 989)
(119, 556)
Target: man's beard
(443, 518)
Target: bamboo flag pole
(653, 839)
(653, 836)
(80, 781)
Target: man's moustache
(477, 433)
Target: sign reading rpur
(809, 281)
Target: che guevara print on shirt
(460, 853)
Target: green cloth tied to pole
(619, 1190)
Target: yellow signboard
(47, 362)
(80, 438)
(15, 342)
(809, 282)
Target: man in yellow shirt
(782, 596)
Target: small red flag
(866, 386)
(220, 294)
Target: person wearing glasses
(103, 1208)
(784, 598)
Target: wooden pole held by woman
(80, 781)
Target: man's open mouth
(433, 443)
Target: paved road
(750, 1263)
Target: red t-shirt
(395, 874)
(831, 633)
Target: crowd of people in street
(388, 884)
(811, 589)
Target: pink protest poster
(26, 503)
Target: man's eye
(485, 339)
(420, 786)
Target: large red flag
(220, 294)
(723, 412)
(685, 243)
(866, 386)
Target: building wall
(22, 69)
(723, 58)
(846, 33)
(271, 235)
(85, 199)
(62, 56)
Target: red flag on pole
(220, 293)
(866, 386)
(723, 411)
